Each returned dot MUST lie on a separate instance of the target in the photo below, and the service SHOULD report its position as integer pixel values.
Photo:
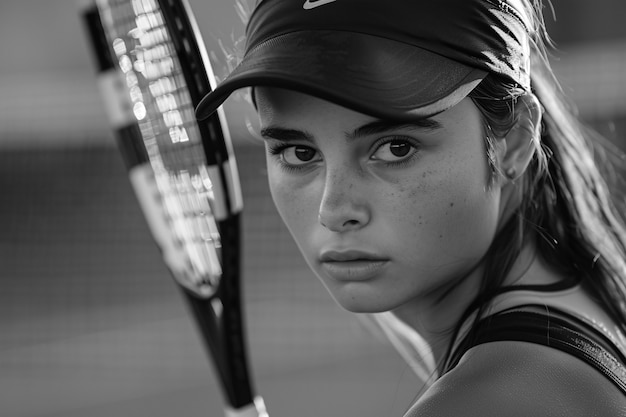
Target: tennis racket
(153, 69)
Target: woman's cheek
(293, 200)
(280, 194)
(469, 216)
(452, 210)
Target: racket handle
(256, 409)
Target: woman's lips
(352, 265)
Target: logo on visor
(312, 4)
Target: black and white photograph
(312, 208)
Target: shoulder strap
(552, 328)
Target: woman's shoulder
(509, 378)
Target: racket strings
(188, 191)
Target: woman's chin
(362, 303)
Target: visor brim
(380, 77)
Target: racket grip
(256, 409)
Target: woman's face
(385, 214)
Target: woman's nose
(344, 205)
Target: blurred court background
(92, 325)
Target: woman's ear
(517, 148)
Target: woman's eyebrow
(383, 126)
(373, 128)
(284, 134)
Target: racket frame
(218, 314)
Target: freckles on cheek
(449, 204)
(471, 218)
(413, 207)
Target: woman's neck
(436, 317)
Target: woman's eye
(299, 155)
(394, 150)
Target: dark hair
(567, 210)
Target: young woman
(423, 159)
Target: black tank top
(550, 327)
